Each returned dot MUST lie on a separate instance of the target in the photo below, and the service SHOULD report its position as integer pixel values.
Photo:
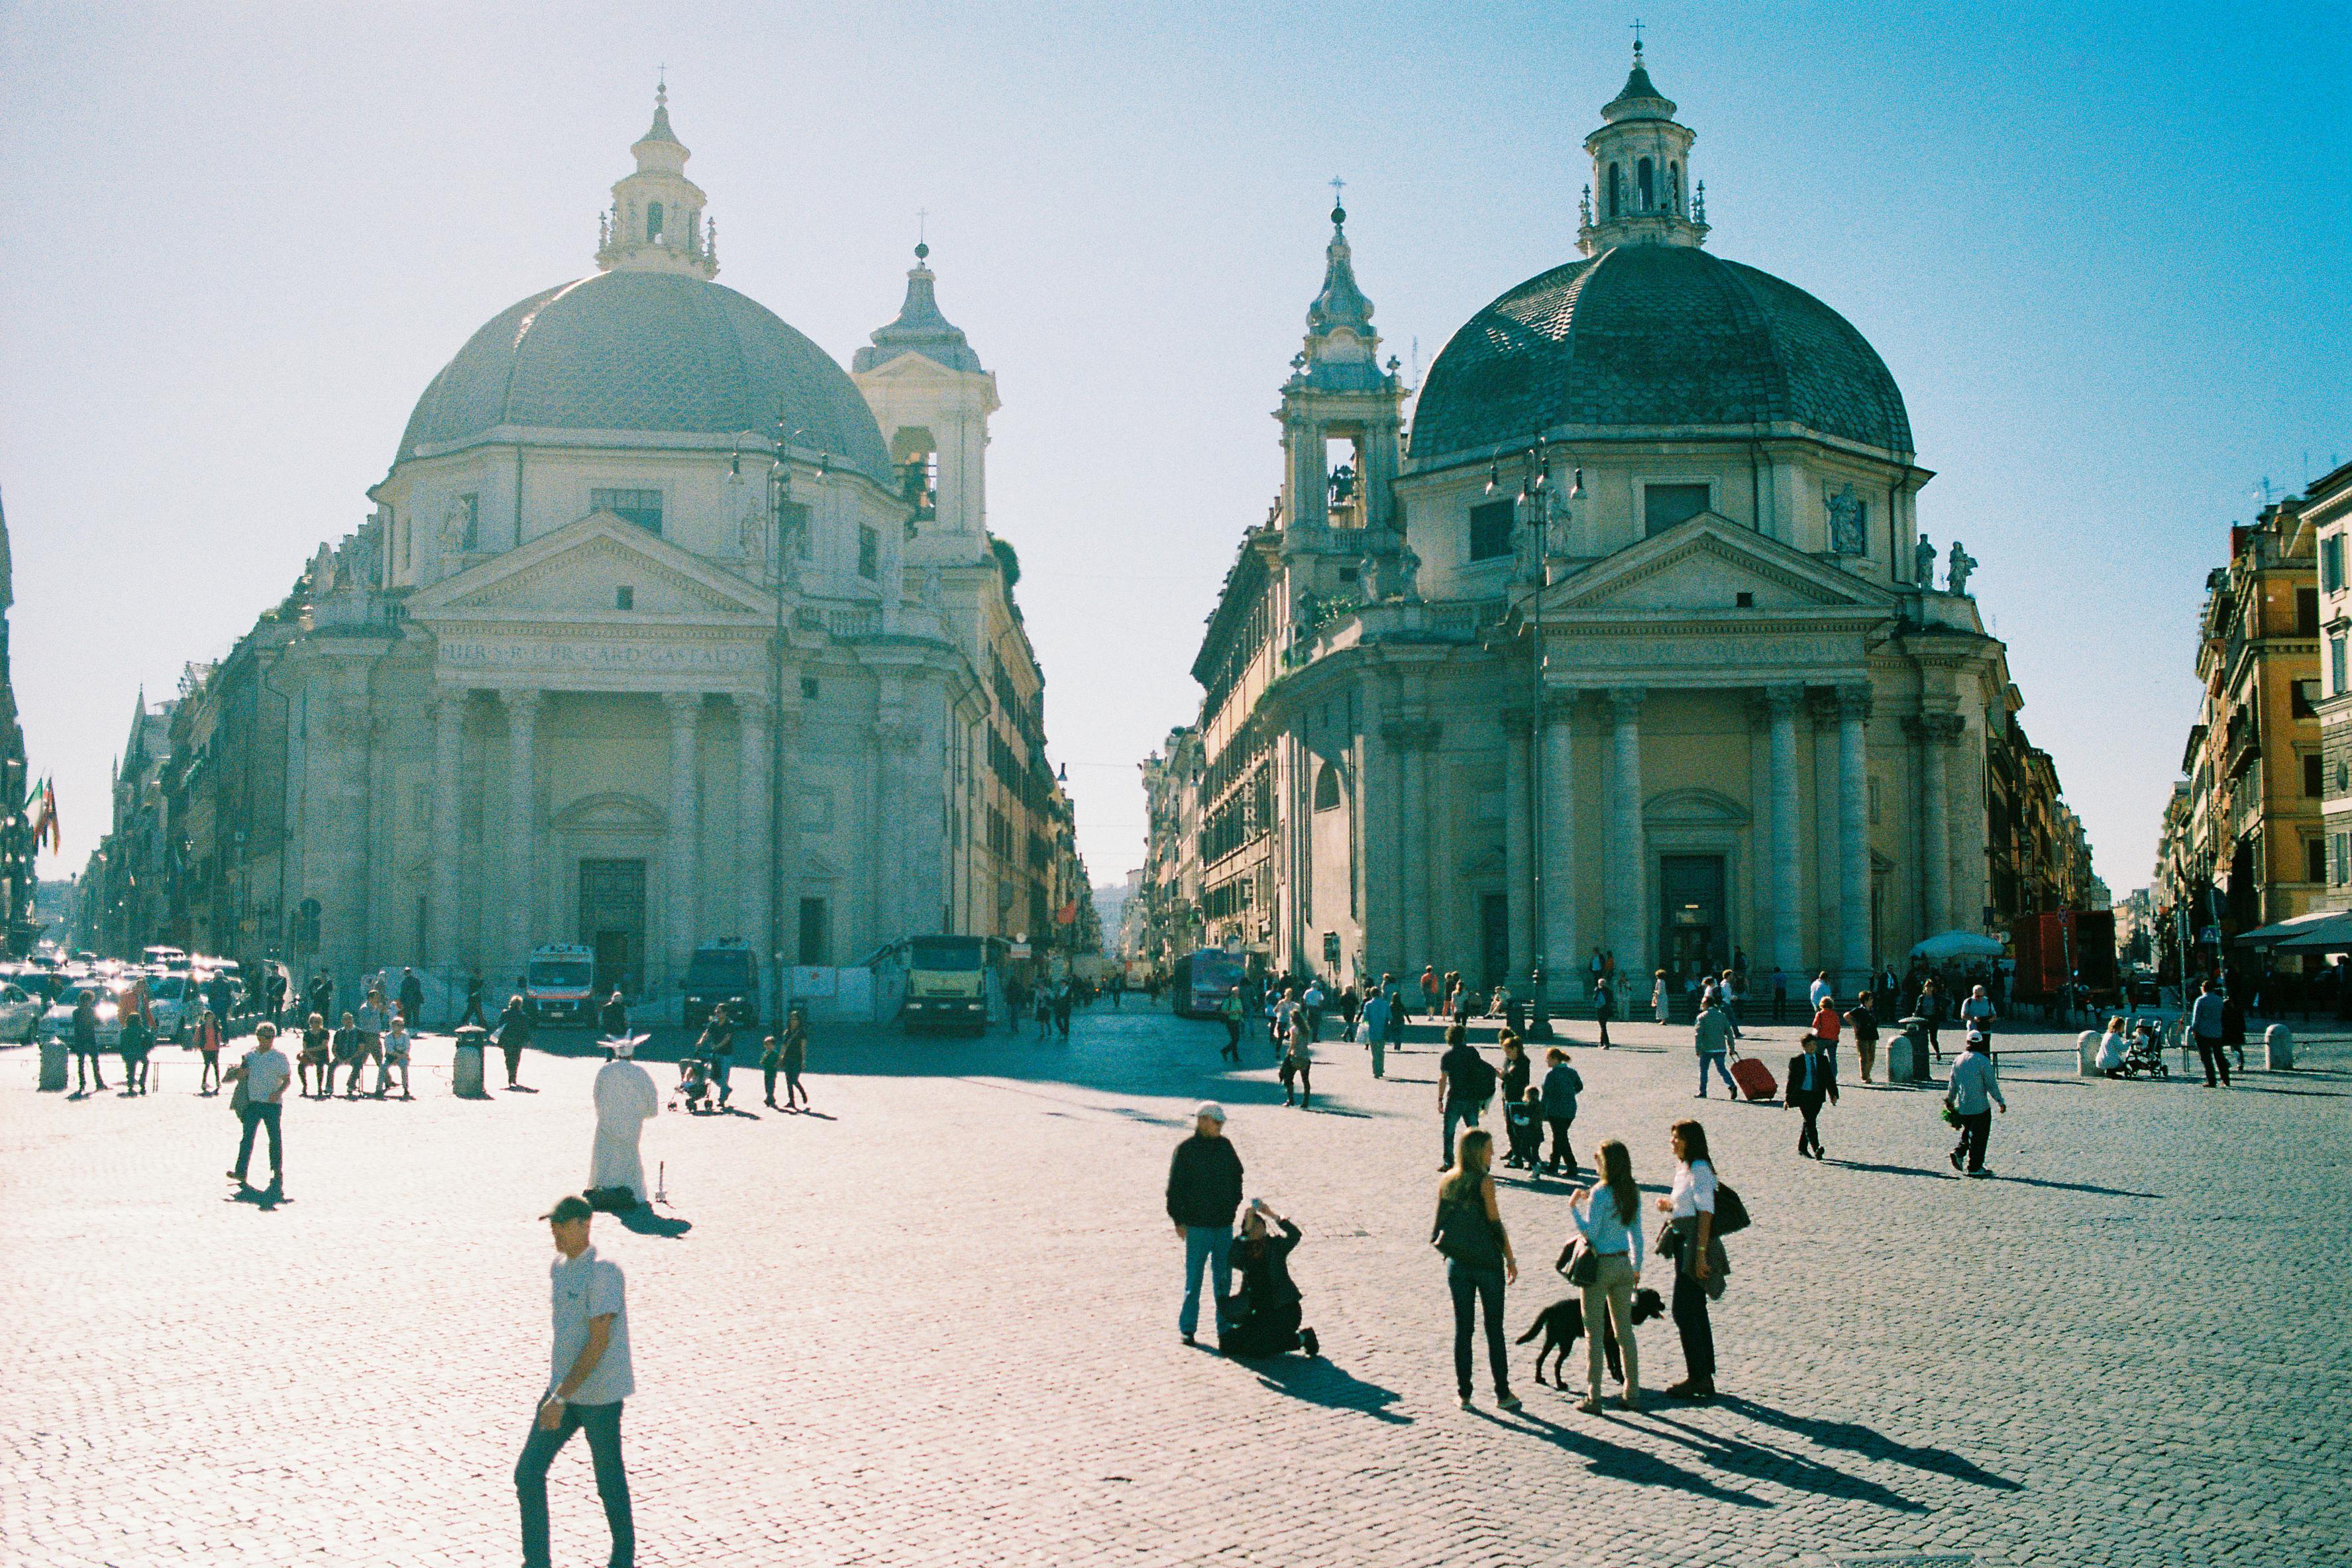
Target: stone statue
(930, 586)
(751, 534)
(1957, 569)
(456, 520)
(1923, 563)
(1407, 574)
(1845, 523)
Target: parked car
(57, 1022)
(20, 1013)
(174, 1002)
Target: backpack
(1477, 1082)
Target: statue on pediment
(1923, 563)
(1846, 512)
(1957, 569)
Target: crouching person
(1268, 1304)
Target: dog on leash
(1562, 1324)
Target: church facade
(666, 629)
(1629, 643)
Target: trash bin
(53, 1066)
(466, 1065)
(1906, 1060)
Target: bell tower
(655, 223)
(1342, 418)
(932, 398)
(1641, 191)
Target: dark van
(722, 972)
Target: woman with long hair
(1690, 1208)
(1478, 1259)
(1658, 1005)
(1608, 1215)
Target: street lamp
(1534, 500)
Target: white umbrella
(1958, 945)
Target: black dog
(1562, 1324)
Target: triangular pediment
(1707, 564)
(579, 570)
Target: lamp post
(1534, 500)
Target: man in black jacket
(1205, 1188)
(1813, 1078)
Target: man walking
(1974, 1091)
(2208, 1023)
(1312, 1004)
(1711, 1036)
(265, 1072)
(1466, 1080)
(1820, 990)
(473, 1013)
(612, 1017)
(589, 1379)
(1561, 1085)
(1373, 1023)
(1230, 1011)
(1813, 1079)
(88, 1079)
(1779, 995)
(411, 998)
(1205, 1188)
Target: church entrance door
(612, 923)
(1692, 928)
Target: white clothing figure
(625, 1101)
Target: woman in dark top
(1478, 1259)
(315, 1039)
(1517, 1069)
(1268, 1302)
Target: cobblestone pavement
(934, 1324)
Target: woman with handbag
(1607, 1267)
(1478, 1259)
(1688, 1238)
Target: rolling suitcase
(1754, 1079)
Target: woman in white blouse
(1692, 1205)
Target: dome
(1656, 336)
(662, 353)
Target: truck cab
(947, 984)
(556, 984)
(722, 972)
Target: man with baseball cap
(589, 1379)
(1205, 1188)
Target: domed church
(668, 630)
(1628, 642)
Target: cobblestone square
(933, 1322)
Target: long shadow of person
(1318, 1382)
(263, 1199)
(1617, 1462)
(1871, 1445)
(643, 1221)
(1762, 1462)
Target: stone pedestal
(53, 1066)
(2086, 1054)
(1902, 1060)
(2278, 1054)
(466, 1065)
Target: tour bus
(947, 984)
(1202, 981)
(556, 984)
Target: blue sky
(2103, 249)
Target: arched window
(653, 222)
(1616, 189)
(1327, 788)
(1675, 187)
(1642, 183)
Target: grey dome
(649, 351)
(1655, 334)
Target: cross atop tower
(1636, 30)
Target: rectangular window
(2331, 563)
(2312, 788)
(1490, 530)
(869, 552)
(2336, 664)
(2339, 846)
(2300, 696)
(2306, 612)
(469, 521)
(1665, 505)
(2315, 859)
(1873, 802)
(643, 508)
(816, 933)
(625, 599)
(795, 519)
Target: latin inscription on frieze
(601, 656)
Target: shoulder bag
(1730, 1213)
(1579, 1264)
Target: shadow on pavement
(1318, 1382)
(1869, 1445)
(263, 1199)
(1761, 1462)
(1616, 1462)
(643, 1221)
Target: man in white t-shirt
(264, 1072)
(589, 1378)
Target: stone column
(522, 827)
(1854, 839)
(1561, 942)
(1828, 840)
(1517, 847)
(785, 875)
(678, 846)
(1780, 705)
(751, 821)
(442, 856)
(1413, 846)
(1935, 733)
(1627, 871)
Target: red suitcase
(1754, 1079)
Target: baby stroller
(2144, 1052)
(694, 1084)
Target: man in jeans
(1974, 1091)
(2208, 1022)
(1711, 1036)
(589, 1379)
(1205, 1188)
(265, 1072)
(1466, 1081)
